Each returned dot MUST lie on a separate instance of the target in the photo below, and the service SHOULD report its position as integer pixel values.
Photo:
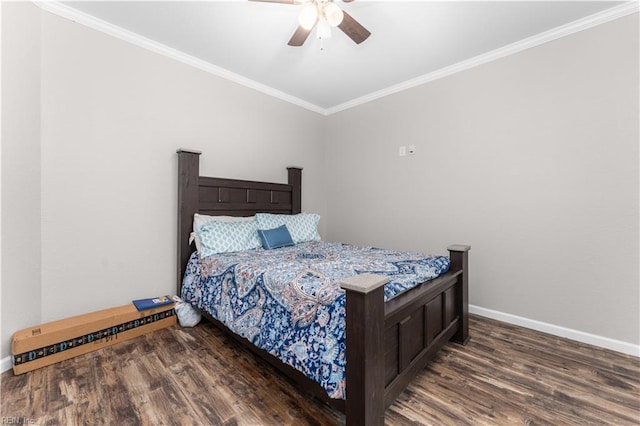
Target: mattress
(288, 301)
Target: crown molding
(105, 27)
(573, 27)
(90, 21)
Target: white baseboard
(5, 364)
(580, 336)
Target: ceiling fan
(323, 14)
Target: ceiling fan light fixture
(333, 14)
(308, 16)
(324, 29)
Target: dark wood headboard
(228, 197)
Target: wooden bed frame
(387, 343)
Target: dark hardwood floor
(506, 375)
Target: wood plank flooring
(506, 375)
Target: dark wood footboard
(387, 343)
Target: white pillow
(303, 227)
(201, 219)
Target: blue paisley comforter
(288, 301)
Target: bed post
(295, 180)
(188, 176)
(459, 255)
(365, 349)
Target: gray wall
(531, 159)
(96, 191)
(21, 177)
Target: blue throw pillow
(274, 238)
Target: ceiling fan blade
(353, 29)
(300, 36)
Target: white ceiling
(247, 41)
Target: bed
(388, 342)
